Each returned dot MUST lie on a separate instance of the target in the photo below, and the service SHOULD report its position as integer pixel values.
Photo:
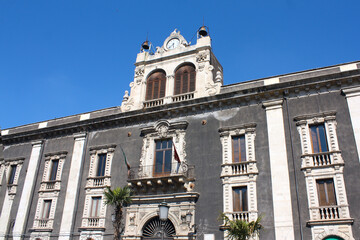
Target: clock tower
(176, 71)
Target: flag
(176, 156)
(126, 162)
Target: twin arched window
(184, 82)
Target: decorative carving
(126, 96)
(218, 77)
(202, 56)
(139, 71)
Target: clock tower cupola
(176, 71)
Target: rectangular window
(95, 206)
(240, 199)
(12, 174)
(326, 192)
(318, 138)
(54, 169)
(45, 214)
(239, 149)
(163, 156)
(101, 165)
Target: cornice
(236, 98)
(315, 115)
(242, 126)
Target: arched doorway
(152, 229)
(333, 238)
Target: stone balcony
(93, 223)
(146, 178)
(321, 160)
(50, 186)
(98, 182)
(238, 169)
(43, 224)
(329, 214)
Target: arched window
(185, 79)
(155, 85)
(153, 229)
(333, 238)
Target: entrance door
(153, 230)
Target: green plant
(118, 198)
(240, 229)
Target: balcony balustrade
(329, 213)
(323, 159)
(153, 103)
(183, 97)
(43, 223)
(241, 168)
(160, 174)
(50, 185)
(98, 182)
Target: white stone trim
(246, 178)
(162, 130)
(27, 190)
(94, 158)
(283, 219)
(40, 206)
(49, 158)
(334, 171)
(72, 186)
(348, 67)
(353, 100)
(87, 209)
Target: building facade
(285, 148)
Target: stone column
(283, 220)
(72, 188)
(28, 190)
(353, 100)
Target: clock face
(173, 43)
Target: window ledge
(92, 229)
(330, 222)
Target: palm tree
(241, 229)
(118, 198)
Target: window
(238, 149)
(163, 156)
(12, 174)
(185, 79)
(100, 172)
(54, 169)
(318, 138)
(95, 207)
(326, 192)
(240, 199)
(155, 87)
(45, 214)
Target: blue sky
(59, 58)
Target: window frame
(326, 194)
(186, 70)
(101, 164)
(12, 174)
(98, 200)
(54, 171)
(164, 155)
(157, 77)
(320, 141)
(243, 201)
(46, 209)
(242, 149)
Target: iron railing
(162, 170)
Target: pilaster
(283, 220)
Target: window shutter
(162, 88)
(149, 90)
(185, 80)
(321, 193)
(156, 90)
(331, 192)
(192, 80)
